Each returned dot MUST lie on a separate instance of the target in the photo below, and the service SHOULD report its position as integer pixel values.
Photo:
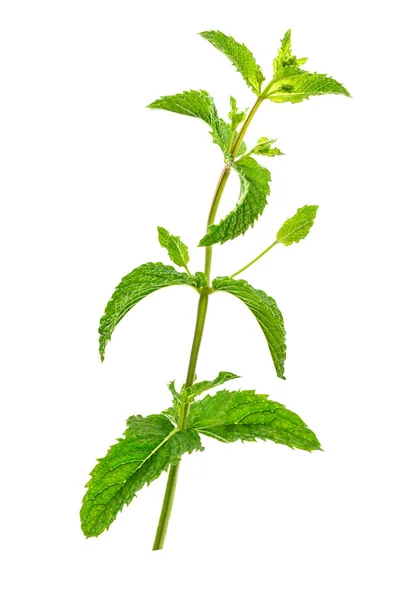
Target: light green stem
(198, 334)
(255, 259)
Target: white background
(87, 174)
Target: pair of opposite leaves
(151, 444)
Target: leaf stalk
(255, 259)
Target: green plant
(156, 443)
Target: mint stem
(198, 334)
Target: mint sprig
(156, 443)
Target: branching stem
(198, 334)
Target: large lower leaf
(247, 416)
(134, 287)
(267, 313)
(239, 55)
(150, 446)
(254, 189)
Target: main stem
(198, 334)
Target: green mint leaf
(254, 189)
(135, 286)
(173, 412)
(297, 227)
(294, 85)
(264, 148)
(236, 117)
(177, 250)
(240, 57)
(202, 386)
(150, 446)
(267, 313)
(247, 416)
(193, 103)
(285, 57)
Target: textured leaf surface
(297, 227)
(194, 103)
(239, 55)
(177, 250)
(254, 189)
(247, 416)
(134, 287)
(267, 313)
(264, 148)
(150, 446)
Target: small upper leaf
(150, 446)
(267, 313)
(177, 250)
(264, 147)
(173, 390)
(240, 57)
(194, 103)
(135, 286)
(230, 416)
(285, 57)
(254, 189)
(297, 227)
(236, 116)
